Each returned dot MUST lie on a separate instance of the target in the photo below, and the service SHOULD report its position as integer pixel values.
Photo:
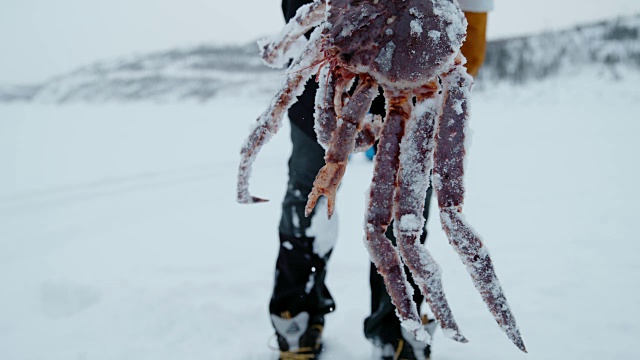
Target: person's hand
(475, 46)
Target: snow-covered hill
(199, 74)
(194, 73)
(610, 46)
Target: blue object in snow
(370, 153)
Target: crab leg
(325, 114)
(447, 176)
(307, 17)
(325, 111)
(342, 143)
(379, 212)
(270, 120)
(416, 152)
(369, 133)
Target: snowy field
(120, 237)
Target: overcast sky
(42, 38)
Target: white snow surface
(323, 229)
(120, 237)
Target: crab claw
(448, 174)
(277, 52)
(342, 142)
(476, 257)
(251, 200)
(243, 196)
(270, 120)
(326, 183)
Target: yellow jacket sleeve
(475, 45)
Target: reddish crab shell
(399, 43)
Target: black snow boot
(299, 337)
(407, 348)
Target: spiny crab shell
(419, 42)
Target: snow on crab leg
(447, 177)
(270, 120)
(275, 52)
(379, 213)
(342, 143)
(416, 151)
(325, 112)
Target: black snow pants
(306, 243)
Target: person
(300, 298)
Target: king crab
(411, 48)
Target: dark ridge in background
(201, 73)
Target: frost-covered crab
(411, 48)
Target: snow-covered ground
(120, 237)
